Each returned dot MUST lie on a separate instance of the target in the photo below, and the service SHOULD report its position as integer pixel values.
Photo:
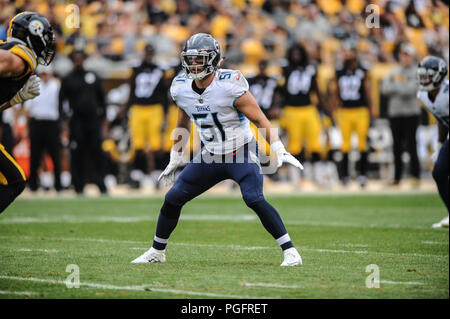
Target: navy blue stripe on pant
(440, 172)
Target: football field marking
(388, 282)
(268, 285)
(19, 293)
(149, 288)
(428, 242)
(38, 250)
(236, 247)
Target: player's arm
(248, 106)
(182, 129)
(184, 123)
(10, 64)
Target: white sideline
(9, 292)
(134, 288)
(428, 242)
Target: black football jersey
(9, 86)
(147, 85)
(297, 86)
(263, 89)
(351, 87)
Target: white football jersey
(439, 108)
(221, 127)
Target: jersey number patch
(210, 128)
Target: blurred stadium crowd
(255, 36)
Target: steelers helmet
(201, 56)
(33, 30)
(431, 73)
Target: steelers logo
(36, 27)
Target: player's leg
(440, 175)
(137, 125)
(196, 178)
(345, 127)
(250, 180)
(362, 124)
(313, 128)
(397, 138)
(411, 125)
(12, 179)
(36, 147)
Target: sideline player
(433, 93)
(30, 40)
(219, 102)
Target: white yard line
(38, 250)
(19, 293)
(427, 242)
(268, 285)
(388, 282)
(149, 288)
(119, 219)
(186, 217)
(235, 247)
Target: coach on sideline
(43, 124)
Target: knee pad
(253, 198)
(170, 211)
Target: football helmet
(201, 56)
(431, 73)
(33, 30)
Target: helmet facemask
(198, 64)
(427, 78)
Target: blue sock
(167, 221)
(272, 222)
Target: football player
(218, 101)
(433, 93)
(30, 40)
(351, 92)
(300, 117)
(148, 90)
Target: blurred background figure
(400, 86)
(44, 127)
(84, 93)
(148, 95)
(351, 104)
(300, 117)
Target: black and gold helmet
(33, 30)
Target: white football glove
(167, 177)
(284, 156)
(30, 90)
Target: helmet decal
(36, 27)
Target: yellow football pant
(302, 125)
(145, 123)
(354, 120)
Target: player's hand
(30, 90)
(284, 156)
(167, 177)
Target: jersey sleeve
(26, 54)
(238, 84)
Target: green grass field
(220, 249)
